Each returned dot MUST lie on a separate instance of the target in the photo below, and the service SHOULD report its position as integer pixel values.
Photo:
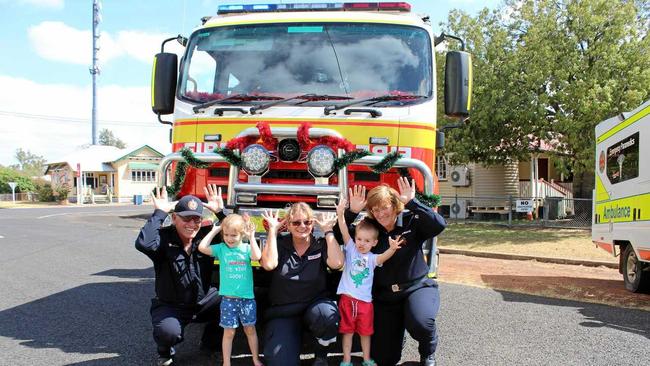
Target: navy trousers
(286, 324)
(416, 313)
(169, 323)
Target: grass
(546, 242)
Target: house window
(441, 167)
(143, 176)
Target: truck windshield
(359, 60)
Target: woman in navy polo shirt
(404, 297)
(298, 291)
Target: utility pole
(94, 70)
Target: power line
(151, 124)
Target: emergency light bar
(262, 8)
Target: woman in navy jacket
(403, 295)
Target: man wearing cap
(182, 273)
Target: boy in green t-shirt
(236, 280)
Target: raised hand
(160, 200)
(327, 221)
(249, 226)
(213, 195)
(357, 198)
(406, 190)
(395, 243)
(340, 208)
(272, 219)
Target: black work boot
(428, 361)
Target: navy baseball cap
(189, 206)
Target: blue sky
(45, 101)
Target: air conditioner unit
(459, 176)
(458, 209)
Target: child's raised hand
(340, 208)
(395, 243)
(249, 226)
(272, 219)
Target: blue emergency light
(262, 8)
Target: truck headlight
(255, 159)
(321, 161)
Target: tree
(31, 165)
(107, 138)
(23, 183)
(551, 70)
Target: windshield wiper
(373, 100)
(307, 98)
(237, 98)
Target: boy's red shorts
(356, 316)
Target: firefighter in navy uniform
(182, 273)
(404, 297)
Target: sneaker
(326, 342)
(345, 363)
(165, 360)
(319, 361)
(369, 362)
(429, 361)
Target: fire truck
(288, 91)
(621, 219)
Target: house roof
(95, 158)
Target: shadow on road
(110, 321)
(635, 321)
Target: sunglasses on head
(195, 219)
(304, 222)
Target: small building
(97, 173)
(474, 188)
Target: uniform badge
(192, 205)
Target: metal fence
(513, 211)
(21, 196)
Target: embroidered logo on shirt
(314, 256)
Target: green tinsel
(348, 158)
(386, 163)
(229, 155)
(188, 155)
(179, 178)
(431, 200)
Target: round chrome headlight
(255, 159)
(321, 161)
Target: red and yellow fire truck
(287, 92)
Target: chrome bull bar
(341, 189)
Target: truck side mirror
(458, 84)
(163, 83)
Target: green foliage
(107, 138)
(61, 192)
(31, 165)
(45, 192)
(549, 71)
(23, 183)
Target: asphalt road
(74, 291)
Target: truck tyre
(633, 275)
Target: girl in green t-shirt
(235, 280)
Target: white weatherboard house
(108, 174)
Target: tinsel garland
(231, 157)
(179, 179)
(334, 142)
(188, 155)
(431, 200)
(265, 137)
(349, 157)
(386, 163)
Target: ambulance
(289, 93)
(621, 215)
